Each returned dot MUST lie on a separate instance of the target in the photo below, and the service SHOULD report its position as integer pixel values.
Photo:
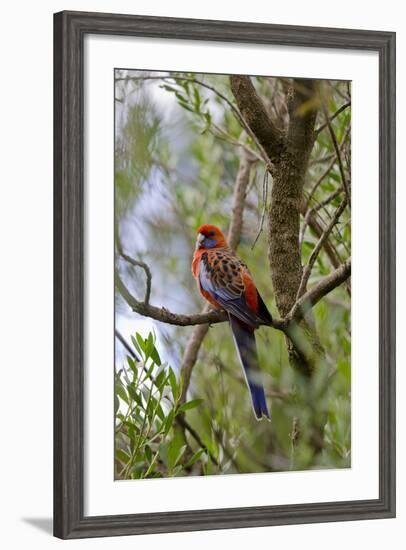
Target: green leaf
(197, 98)
(185, 106)
(132, 365)
(141, 341)
(175, 452)
(190, 405)
(177, 470)
(168, 88)
(136, 345)
(134, 394)
(194, 458)
(120, 391)
(149, 345)
(155, 356)
(169, 421)
(161, 379)
(148, 453)
(157, 408)
(180, 98)
(122, 456)
(132, 432)
(149, 372)
(174, 384)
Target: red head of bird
(210, 236)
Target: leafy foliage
(147, 408)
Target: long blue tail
(244, 339)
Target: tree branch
(164, 315)
(338, 155)
(125, 344)
(311, 211)
(315, 252)
(136, 263)
(302, 305)
(328, 170)
(256, 116)
(339, 111)
(286, 195)
(240, 191)
(317, 292)
(328, 246)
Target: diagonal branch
(238, 202)
(256, 116)
(314, 209)
(125, 344)
(317, 292)
(338, 155)
(328, 170)
(313, 257)
(339, 111)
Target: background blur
(177, 153)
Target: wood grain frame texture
(69, 31)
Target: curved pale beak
(199, 240)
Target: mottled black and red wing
(220, 275)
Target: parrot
(224, 280)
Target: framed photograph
(224, 275)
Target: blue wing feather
(245, 343)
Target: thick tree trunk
(286, 197)
(289, 153)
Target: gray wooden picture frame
(70, 29)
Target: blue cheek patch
(209, 243)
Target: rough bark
(289, 155)
(255, 115)
(286, 196)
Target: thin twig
(317, 292)
(321, 160)
(327, 200)
(319, 181)
(338, 155)
(264, 207)
(137, 263)
(315, 209)
(308, 268)
(125, 344)
(328, 170)
(220, 133)
(340, 110)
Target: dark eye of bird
(210, 234)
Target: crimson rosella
(224, 281)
